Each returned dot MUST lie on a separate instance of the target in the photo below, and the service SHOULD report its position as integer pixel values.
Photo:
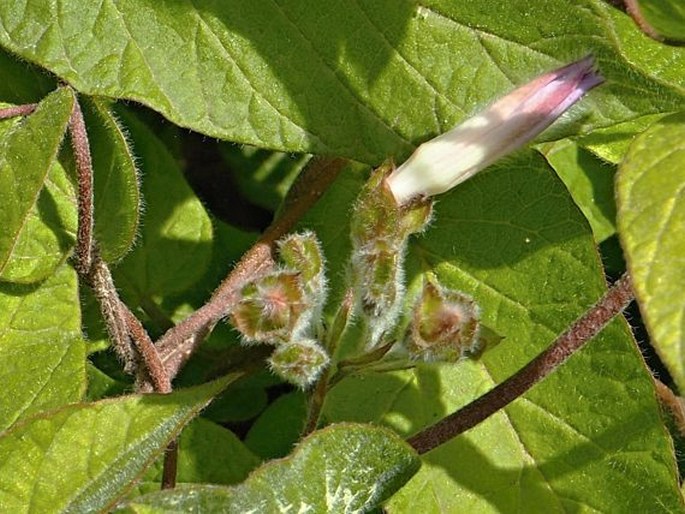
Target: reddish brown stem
(633, 10)
(122, 324)
(148, 352)
(170, 465)
(17, 110)
(180, 342)
(84, 167)
(584, 329)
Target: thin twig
(17, 110)
(177, 344)
(584, 329)
(84, 167)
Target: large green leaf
(343, 468)
(37, 215)
(41, 348)
(363, 80)
(589, 436)
(83, 457)
(651, 221)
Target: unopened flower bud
(447, 160)
(299, 362)
(445, 325)
(379, 231)
(270, 308)
(302, 253)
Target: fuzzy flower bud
(447, 160)
(379, 231)
(302, 252)
(299, 362)
(270, 308)
(445, 325)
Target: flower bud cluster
(284, 307)
(379, 232)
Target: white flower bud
(447, 160)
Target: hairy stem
(584, 329)
(123, 326)
(177, 344)
(17, 110)
(84, 168)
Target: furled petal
(441, 163)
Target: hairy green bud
(445, 325)
(299, 362)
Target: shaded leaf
(590, 182)
(174, 249)
(37, 222)
(42, 351)
(207, 453)
(278, 428)
(359, 80)
(651, 221)
(22, 82)
(106, 444)
(343, 468)
(263, 177)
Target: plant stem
(585, 328)
(178, 344)
(122, 324)
(84, 167)
(17, 110)
(170, 465)
(333, 336)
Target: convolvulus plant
(411, 330)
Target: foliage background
(362, 80)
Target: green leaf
(278, 428)
(365, 81)
(343, 468)
(208, 453)
(174, 249)
(651, 222)
(38, 222)
(590, 182)
(41, 347)
(611, 144)
(667, 17)
(115, 182)
(263, 177)
(23, 83)
(591, 434)
(83, 457)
